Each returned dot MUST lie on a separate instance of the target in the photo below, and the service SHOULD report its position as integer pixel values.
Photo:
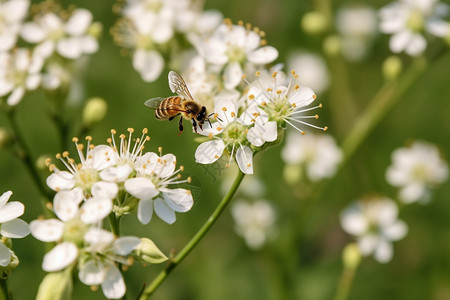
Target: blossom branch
(194, 241)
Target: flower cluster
(270, 103)
(375, 224)
(408, 20)
(149, 29)
(415, 170)
(56, 40)
(109, 180)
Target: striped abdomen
(169, 107)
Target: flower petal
(95, 209)
(244, 159)
(5, 255)
(60, 180)
(126, 244)
(263, 55)
(66, 203)
(92, 273)
(232, 75)
(49, 230)
(60, 257)
(149, 64)
(163, 211)
(105, 189)
(16, 229)
(79, 22)
(141, 188)
(4, 198)
(145, 211)
(210, 151)
(113, 286)
(180, 200)
(116, 174)
(11, 211)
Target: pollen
(178, 176)
(130, 130)
(182, 168)
(240, 23)
(296, 87)
(145, 131)
(320, 105)
(91, 146)
(316, 116)
(122, 136)
(274, 74)
(113, 131)
(216, 156)
(314, 96)
(249, 165)
(263, 43)
(293, 72)
(189, 179)
(258, 73)
(88, 138)
(278, 92)
(159, 149)
(210, 135)
(75, 139)
(48, 161)
(251, 97)
(80, 146)
(233, 114)
(269, 89)
(65, 154)
(219, 128)
(244, 76)
(325, 128)
(58, 155)
(224, 109)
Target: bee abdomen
(169, 107)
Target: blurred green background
(222, 267)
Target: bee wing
(177, 85)
(154, 102)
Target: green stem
(194, 241)
(4, 292)
(345, 283)
(114, 221)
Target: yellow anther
(262, 34)
(147, 138)
(159, 149)
(320, 105)
(240, 23)
(219, 128)
(113, 131)
(316, 116)
(75, 139)
(178, 176)
(248, 26)
(251, 97)
(65, 154)
(263, 42)
(48, 161)
(274, 74)
(246, 130)
(181, 168)
(224, 109)
(244, 76)
(215, 115)
(189, 179)
(216, 156)
(210, 135)
(91, 146)
(263, 104)
(278, 92)
(145, 131)
(109, 140)
(314, 96)
(258, 73)
(122, 136)
(269, 89)
(88, 138)
(51, 167)
(296, 87)
(80, 146)
(325, 128)
(293, 72)
(256, 29)
(233, 114)
(302, 132)
(58, 155)
(248, 165)
(130, 130)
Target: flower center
(236, 54)
(235, 133)
(415, 21)
(278, 108)
(85, 178)
(420, 173)
(154, 6)
(74, 231)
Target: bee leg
(180, 125)
(194, 124)
(171, 118)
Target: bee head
(201, 116)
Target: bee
(183, 104)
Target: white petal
(32, 33)
(162, 32)
(145, 211)
(412, 192)
(302, 97)
(210, 151)
(11, 210)
(5, 255)
(16, 95)
(396, 231)
(141, 188)
(105, 189)
(259, 134)
(69, 48)
(101, 157)
(113, 287)
(263, 55)
(438, 28)
(244, 159)
(353, 220)
(33, 81)
(417, 45)
(232, 75)
(47, 230)
(79, 22)
(88, 44)
(92, 273)
(98, 238)
(126, 244)
(60, 180)
(164, 211)
(66, 203)
(180, 200)
(95, 209)
(15, 229)
(149, 64)
(60, 257)
(399, 41)
(367, 244)
(116, 174)
(383, 252)
(4, 198)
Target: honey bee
(183, 104)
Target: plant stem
(194, 241)
(343, 289)
(114, 221)
(4, 292)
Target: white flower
(318, 153)
(99, 265)
(254, 221)
(12, 13)
(272, 98)
(415, 170)
(312, 69)
(155, 173)
(69, 39)
(234, 49)
(19, 73)
(230, 132)
(11, 226)
(357, 26)
(406, 20)
(375, 225)
(86, 174)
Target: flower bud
(41, 162)
(351, 256)
(292, 174)
(392, 67)
(5, 138)
(95, 29)
(56, 285)
(127, 207)
(332, 45)
(147, 252)
(314, 23)
(12, 265)
(94, 111)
